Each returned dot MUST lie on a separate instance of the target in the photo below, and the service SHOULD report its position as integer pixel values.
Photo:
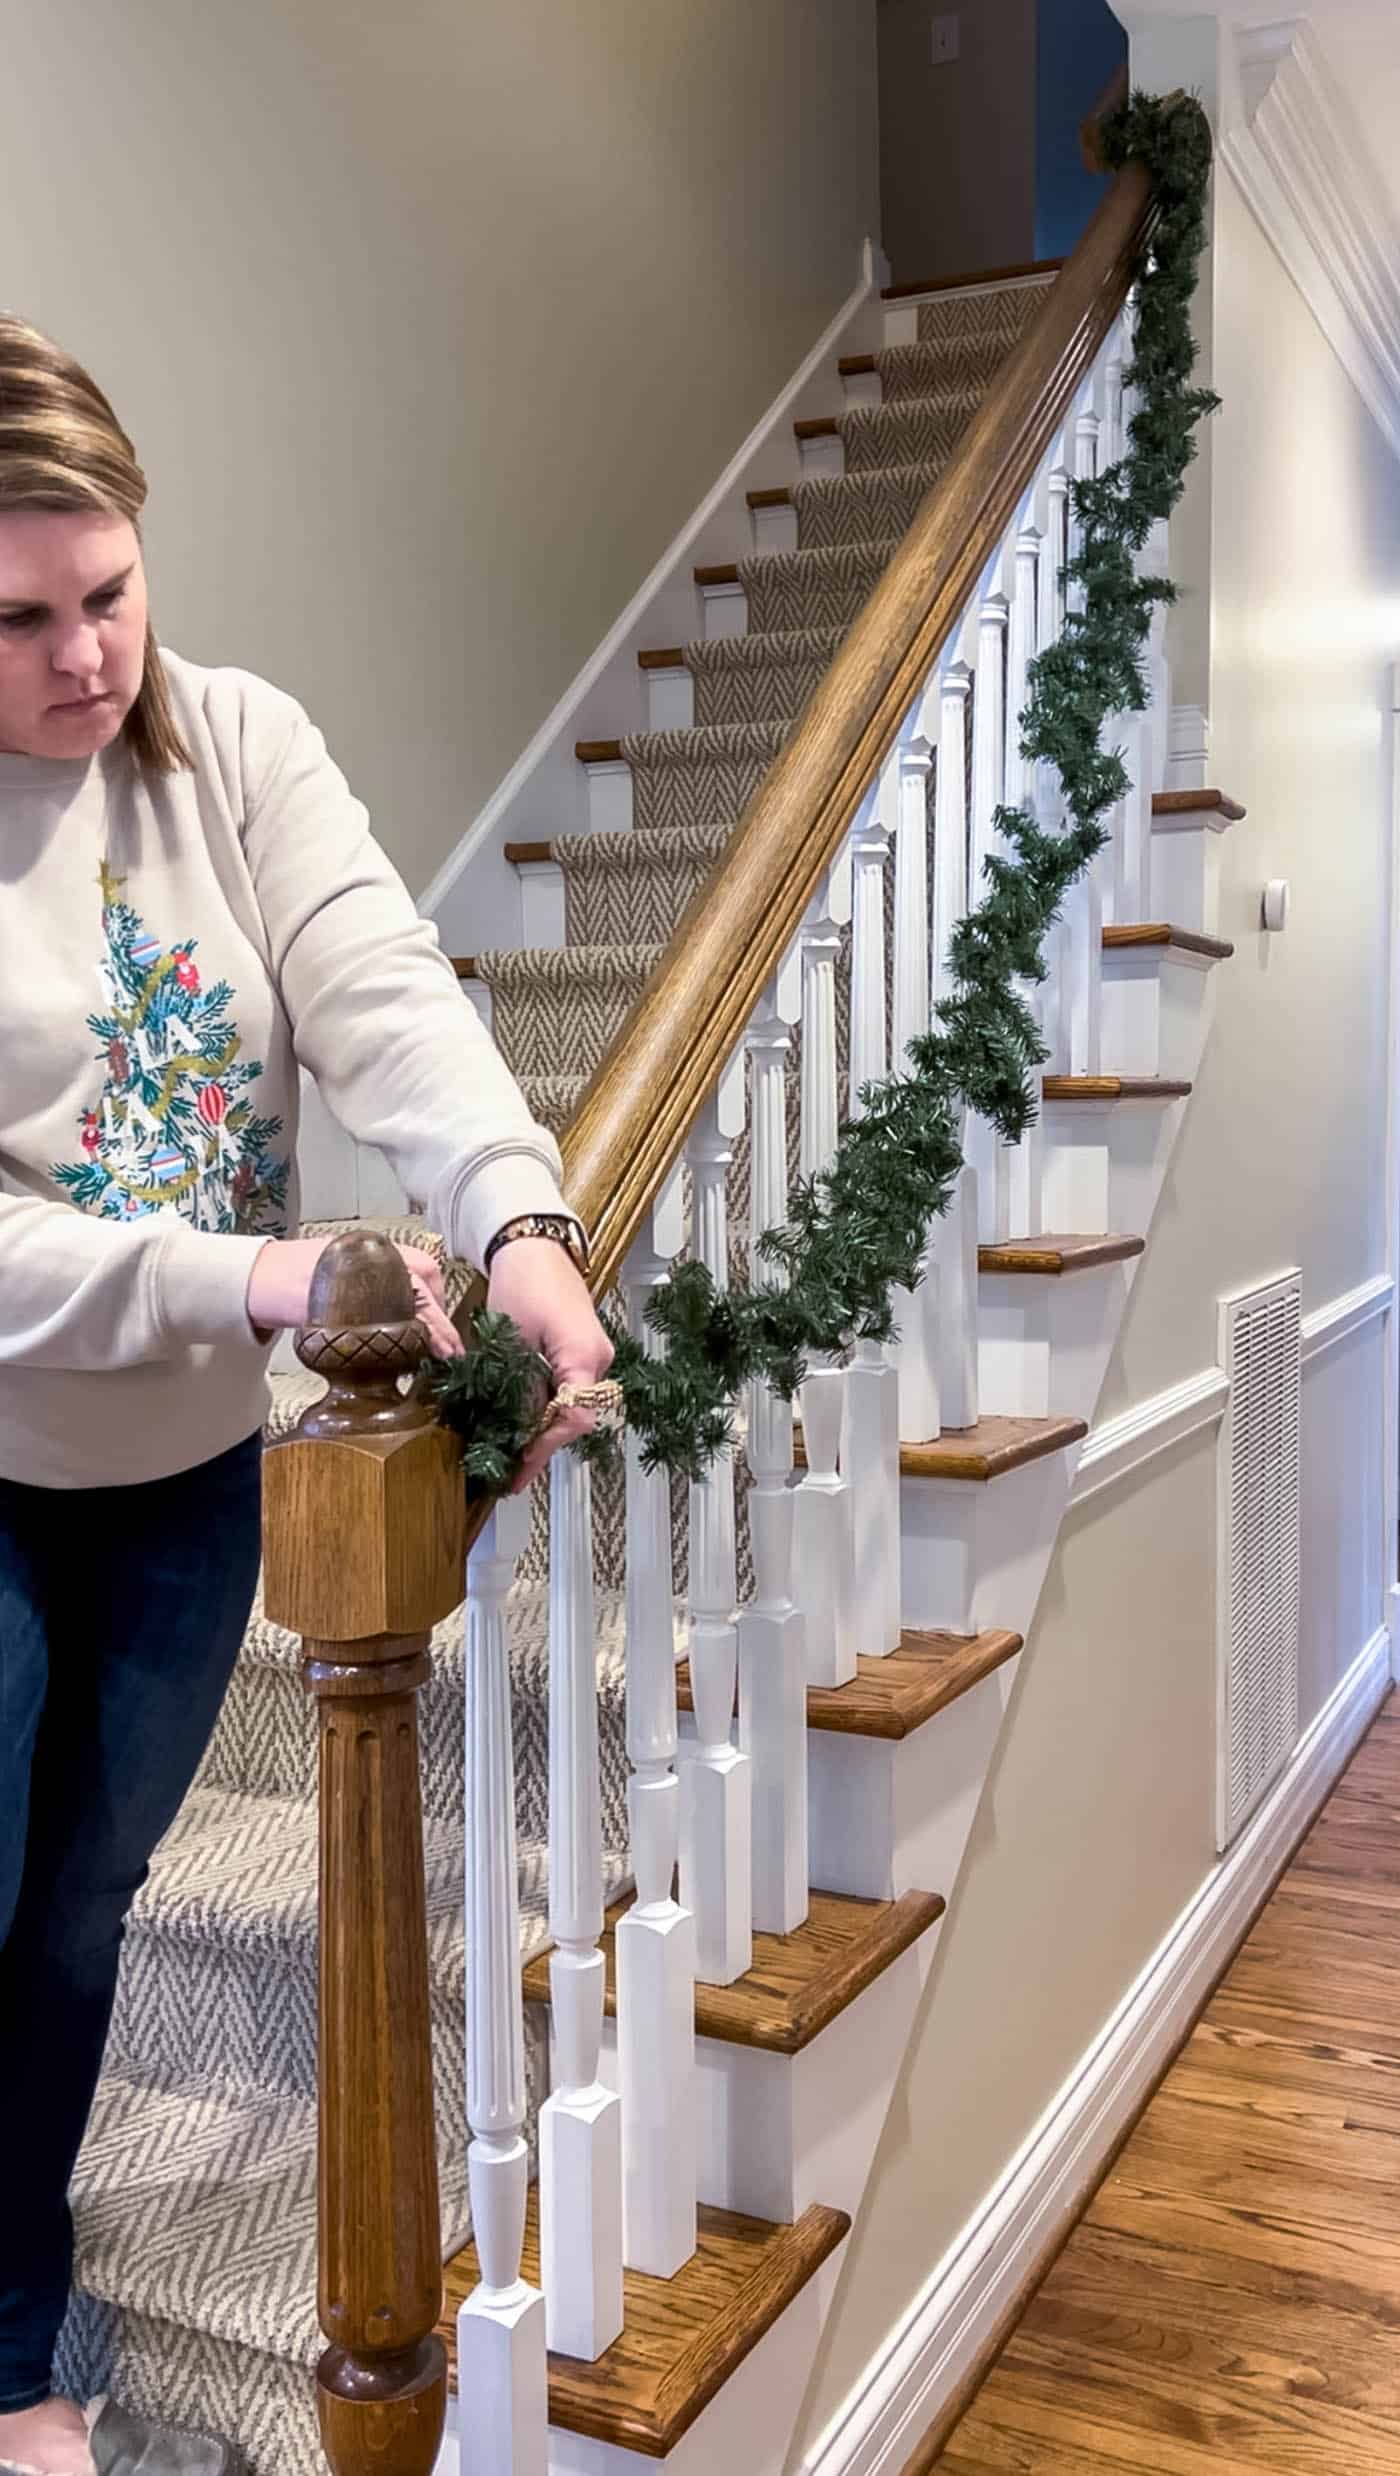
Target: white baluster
(1018, 1196)
(772, 1631)
(955, 1239)
(501, 2371)
(823, 1543)
(580, 2122)
(656, 1937)
(716, 1819)
(1080, 973)
(870, 1439)
(988, 735)
(904, 804)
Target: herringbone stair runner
(195, 2194)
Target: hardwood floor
(1231, 2301)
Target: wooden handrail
(649, 1088)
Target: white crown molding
(1304, 167)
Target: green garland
(860, 1228)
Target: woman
(190, 904)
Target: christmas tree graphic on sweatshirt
(174, 1129)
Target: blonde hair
(62, 447)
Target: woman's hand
(280, 1283)
(535, 1283)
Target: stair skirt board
(194, 2198)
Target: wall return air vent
(1257, 1629)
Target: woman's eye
(106, 603)
(19, 622)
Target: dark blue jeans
(121, 1614)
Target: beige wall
(1097, 1824)
(432, 323)
(957, 142)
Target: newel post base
(364, 1534)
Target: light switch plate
(945, 40)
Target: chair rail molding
(1298, 155)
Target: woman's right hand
(280, 1283)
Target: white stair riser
(724, 611)
(822, 459)
(609, 797)
(775, 2133)
(863, 387)
(1154, 1004)
(1043, 1342)
(1103, 1162)
(542, 910)
(974, 1556)
(1186, 870)
(670, 700)
(890, 1817)
(774, 530)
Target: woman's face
(72, 631)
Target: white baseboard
(962, 2310)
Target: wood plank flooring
(1230, 2302)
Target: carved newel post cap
(364, 1336)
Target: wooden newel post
(365, 1546)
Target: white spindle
(870, 1441)
(904, 806)
(580, 2122)
(772, 1632)
(1018, 1193)
(656, 1937)
(1081, 939)
(955, 1240)
(716, 1817)
(823, 1539)
(988, 734)
(501, 2370)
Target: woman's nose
(78, 652)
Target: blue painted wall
(1079, 44)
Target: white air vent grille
(1261, 1351)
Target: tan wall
(1097, 1824)
(957, 142)
(432, 323)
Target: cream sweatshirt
(171, 948)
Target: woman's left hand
(535, 1282)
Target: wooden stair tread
(990, 275)
(726, 573)
(662, 658)
(857, 365)
(892, 1697)
(1193, 803)
(1113, 1087)
(682, 2337)
(528, 855)
(990, 1449)
(1129, 933)
(598, 751)
(986, 1451)
(769, 498)
(825, 426)
(1057, 1253)
(799, 1983)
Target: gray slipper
(127, 2445)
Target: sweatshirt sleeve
(397, 1050)
(91, 1295)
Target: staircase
(874, 1661)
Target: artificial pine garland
(860, 1228)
